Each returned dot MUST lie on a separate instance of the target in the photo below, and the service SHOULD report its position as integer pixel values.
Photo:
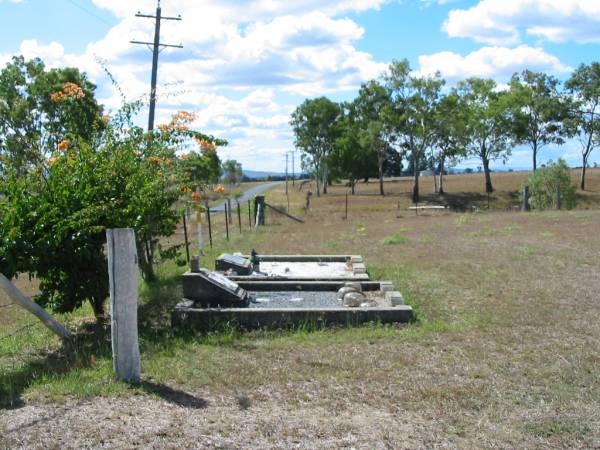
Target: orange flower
(64, 144)
(205, 145)
(154, 161)
(196, 197)
(164, 128)
(219, 189)
(69, 90)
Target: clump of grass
(395, 239)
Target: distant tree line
(407, 117)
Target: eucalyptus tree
(584, 87)
(315, 125)
(450, 133)
(488, 125)
(370, 109)
(349, 157)
(414, 100)
(538, 111)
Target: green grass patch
(395, 239)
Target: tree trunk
(441, 185)
(380, 166)
(488, 177)
(325, 174)
(98, 307)
(146, 261)
(352, 184)
(582, 183)
(535, 150)
(415, 195)
(317, 176)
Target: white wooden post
(123, 277)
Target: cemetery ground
(505, 352)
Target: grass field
(505, 352)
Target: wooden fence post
(123, 276)
(229, 210)
(187, 244)
(226, 221)
(209, 225)
(239, 216)
(249, 214)
(259, 207)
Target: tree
(584, 87)
(315, 128)
(369, 110)
(53, 216)
(537, 111)
(450, 133)
(233, 171)
(487, 125)
(349, 157)
(412, 116)
(39, 109)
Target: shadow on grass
(91, 341)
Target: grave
(316, 289)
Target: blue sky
(246, 65)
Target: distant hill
(259, 174)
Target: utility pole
(156, 47)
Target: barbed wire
(18, 330)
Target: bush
(543, 182)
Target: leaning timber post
(19, 298)
(259, 208)
(558, 205)
(229, 211)
(525, 205)
(123, 277)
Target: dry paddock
(507, 353)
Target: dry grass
(505, 355)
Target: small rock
(353, 299)
(343, 291)
(370, 304)
(355, 285)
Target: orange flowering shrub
(196, 197)
(64, 144)
(219, 189)
(179, 122)
(205, 145)
(69, 90)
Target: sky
(246, 65)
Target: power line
(156, 47)
(91, 13)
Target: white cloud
(492, 62)
(502, 22)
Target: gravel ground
(183, 421)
